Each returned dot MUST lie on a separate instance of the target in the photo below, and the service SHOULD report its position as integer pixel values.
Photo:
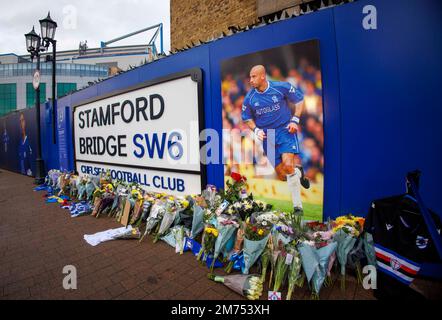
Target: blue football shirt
(24, 156)
(269, 109)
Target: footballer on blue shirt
(24, 149)
(267, 107)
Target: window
(8, 98)
(64, 88)
(30, 94)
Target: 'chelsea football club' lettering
(162, 182)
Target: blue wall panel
(390, 100)
(314, 26)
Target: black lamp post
(48, 27)
(33, 45)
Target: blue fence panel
(390, 100)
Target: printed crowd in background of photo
(299, 65)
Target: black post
(54, 85)
(39, 165)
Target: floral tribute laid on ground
(223, 229)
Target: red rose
(254, 228)
(312, 224)
(236, 176)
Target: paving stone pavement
(37, 240)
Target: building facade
(76, 69)
(200, 20)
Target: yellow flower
(185, 203)
(212, 231)
(260, 232)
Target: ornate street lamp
(34, 47)
(48, 27)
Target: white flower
(310, 243)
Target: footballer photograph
(276, 94)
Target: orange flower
(361, 222)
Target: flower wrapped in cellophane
(156, 214)
(294, 276)
(145, 209)
(184, 214)
(226, 228)
(197, 219)
(168, 218)
(137, 199)
(249, 286)
(315, 263)
(256, 236)
(245, 208)
(281, 267)
(236, 258)
(346, 231)
(176, 238)
(208, 242)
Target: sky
(80, 20)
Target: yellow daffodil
(260, 232)
(185, 203)
(211, 231)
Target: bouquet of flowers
(73, 191)
(96, 200)
(234, 190)
(315, 263)
(168, 218)
(314, 226)
(90, 188)
(349, 224)
(197, 219)
(176, 238)
(249, 286)
(184, 214)
(119, 201)
(346, 231)
(321, 238)
(64, 184)
(107, 199)
(294, 272)
(236, 259)
(81, 186)
(146, 206)
(156, 214)
(256, 236)
(281, 267)
(53, 176)
(209, 195)
(293, 220)
(178, 233)
(246, 207)
(105, 177)
(265, 260)
(137, 199)
(226, 228)
(208, 242)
